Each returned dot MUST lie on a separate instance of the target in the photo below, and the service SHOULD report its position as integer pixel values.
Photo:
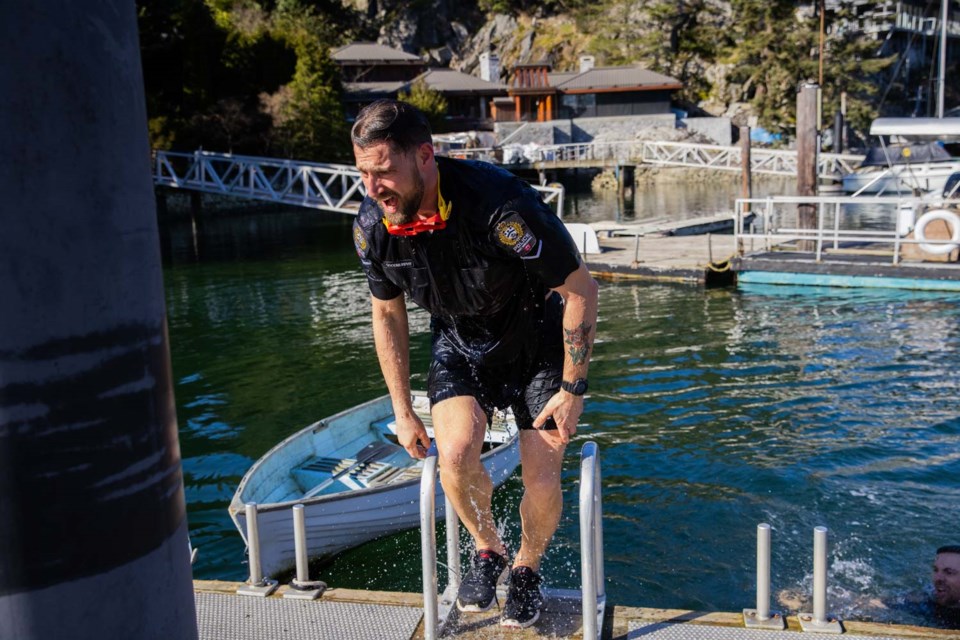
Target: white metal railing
(777, 225)
(670, 154)
(688, 154)
(590, 599)
(330, 187)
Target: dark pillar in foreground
(93, 537)
(807, 128)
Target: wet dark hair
(949, 548)
(399, 123)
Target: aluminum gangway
(315, 185)
(672, 154)
(440, 611)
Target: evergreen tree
(683, 43)
(308, 112)
(430, 102)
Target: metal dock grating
(674, 631)
(232, 617)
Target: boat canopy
(946, 129)
(918, 153)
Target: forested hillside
(256, 76)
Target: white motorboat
(920, 164)
(352, 478)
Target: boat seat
(320, 473)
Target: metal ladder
(590, 599)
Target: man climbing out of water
(513, 315)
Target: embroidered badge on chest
(514, 234)
(360, 242)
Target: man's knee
(542, 486)
(458, 457)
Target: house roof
(557, 78)
(453, 82)
(446, 81)
(369, 52)
(372, 90)
(615, 79)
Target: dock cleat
(478, 589)
(524, 599)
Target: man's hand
(565, 409)
(412, 435)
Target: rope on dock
(722, 266)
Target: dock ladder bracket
(589, 601)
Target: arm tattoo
(578, 341)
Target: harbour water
(714, 410)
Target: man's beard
(407, 206)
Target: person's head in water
(946, 577)
(393, 148)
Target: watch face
(578, 387)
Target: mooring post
(819, 621)
(302, 587)
(762, 617)
(257, 585)
(808, 126)
(838, 132)
(746, 168)
(820, 574)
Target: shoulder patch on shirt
(514, 234)
(360, 241)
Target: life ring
(950, 218)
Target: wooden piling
(807, 126)
(746, 174)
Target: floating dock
(845, 270)
(344, 614)
(660, 251)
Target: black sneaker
(524, 599)
(478, 589)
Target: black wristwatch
(578, 387)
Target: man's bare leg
(541, 454)
(461, 425)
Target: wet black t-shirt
(484, 277)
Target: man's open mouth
(389, 204)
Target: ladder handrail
(591, 541)
(428, 544)
(593, 591)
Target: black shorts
(524, 384)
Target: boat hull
(928, 178)
(340, 521)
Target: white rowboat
(352, 478)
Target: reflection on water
(714, 410)
(668, 199)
